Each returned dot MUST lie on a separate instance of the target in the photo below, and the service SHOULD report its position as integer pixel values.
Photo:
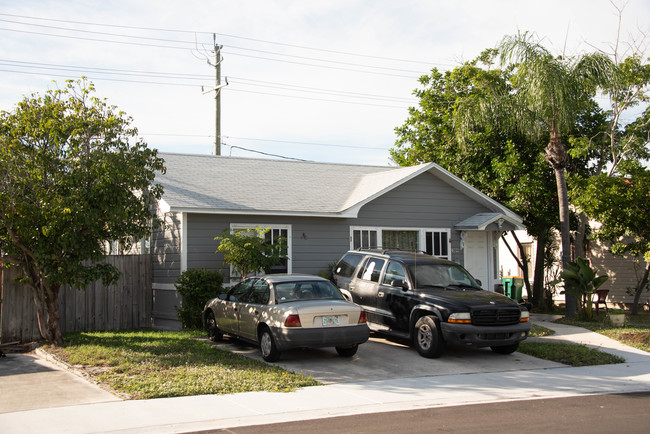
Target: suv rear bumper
(482, 336)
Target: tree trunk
(524, 268)
(579, 244)
(557, 156)
(640, 288)
(538, 276)
(52, 331)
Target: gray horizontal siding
(424, 202)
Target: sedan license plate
(330, 321)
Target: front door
(477, 257)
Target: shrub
(196, 286)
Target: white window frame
(243, 226)
(421, 236)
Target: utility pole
(217, 94)
(217, 97)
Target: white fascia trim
(164, 206)
(516, 223)
(184, 210)
(183, 242)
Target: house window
(400, 240)
(364, 239)
(437, 243)
(276, 234)
(434, 242)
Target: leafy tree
(248, 251)
(505, 165)
(622, 205)
(548, 94)
(70, 180)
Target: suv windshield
(444, 275)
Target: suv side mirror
(479, 283)
(399, 283)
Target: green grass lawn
(636, 332)
(156, 364)
(569, 354)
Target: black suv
(429, 300)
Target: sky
(325, 81)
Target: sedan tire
(347, 351)
(270, 352)
(214, 334)
(427, 337)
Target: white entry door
(477, 257)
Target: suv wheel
(427, 337)
(506, 349)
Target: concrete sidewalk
(222, 411)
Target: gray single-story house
(323, 210)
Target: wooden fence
(124, 305)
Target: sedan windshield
(441, 275)
(306, 290)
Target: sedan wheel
(347, 351)
(427, 337)
(268, 349)
(214, 334)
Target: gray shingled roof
(217, 184)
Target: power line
(263, 153)
(253, 139)
(303, 47)
(233, 54)
(226, 45)
(304, 143)
(178, 76)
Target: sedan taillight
(292, 321)
(362, 317)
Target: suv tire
(506, 349)
(427, 337)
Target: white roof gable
(227, 185)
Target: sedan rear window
(306, 290)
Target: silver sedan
(280, 312)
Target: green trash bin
(513, 287)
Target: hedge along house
(322, 210)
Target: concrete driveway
(384, 359)
(28, 382)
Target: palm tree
(547, 94)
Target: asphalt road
(579, 414)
